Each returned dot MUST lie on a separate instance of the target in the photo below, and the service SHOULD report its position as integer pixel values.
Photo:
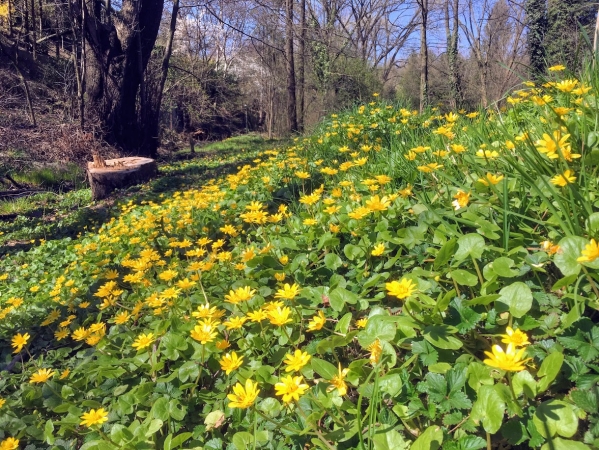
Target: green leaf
(173, 442)
(324, 368)
(586, 399)
(463, 277)
(430, 439)
(153, 427)
(339, 296)
(391, 384)
(343, 324)
(332, 261)
(483, 300)
(49, 432)
(441, 337)
(427, 353)
(189, 370)
(563, 282)
(503, 267)
(517, 297)
(214, 420)
(549, 370)
(160, 409)
(441, 367)
(489, 408)
(555, 417)
(524, 382)
(352, 251)
(470, 245)
(570, 249)
(514, 431)
(243, 440)
(391, 440)
(378, 327)
(564, 444)
(445, 253)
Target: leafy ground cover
(57, 215)
(395, 280)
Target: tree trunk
(155, 112)
(302, 67)
(33, 30)
(291, 99)
(117, 50)
(423, 54)
(536, 13)
(452, 31)
(10, 18)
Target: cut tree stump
(118, 173)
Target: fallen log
(118, 173)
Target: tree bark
(291, 98)
(117, 48)
(452, 32)
(423, 4)
(302, 68)
(155, 113)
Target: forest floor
(57, 200)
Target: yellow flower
(80, 334)
(41, 376)
(549, 247)
(359, 213)
(65, 373)
(230, 362)
(235, 323)
(242, 294)
(94, 417)
(186, 284)
(61, 333)
(361, 323)
(590, 252)
(2, 402)
(488, 154)
(461, 200)
(279, 276)
(562, 180)
(291, 388)
(429, 167)
(279, 316)
(19, 341)
(378, 249)
(9, 444)
(289, 292)
(296, 361)
(143, 341)
(566, 85)
(510, 359)
(284, 260)
(338, 381)
(376, 350)
(302, 175)
(122, 317)
(550, 145)
(515, 337)
(401, 289)
(243, 397)
(317, 322)
(490, 179)
(257, 316)
(222, 345)
(557, 68)
(377, 204)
